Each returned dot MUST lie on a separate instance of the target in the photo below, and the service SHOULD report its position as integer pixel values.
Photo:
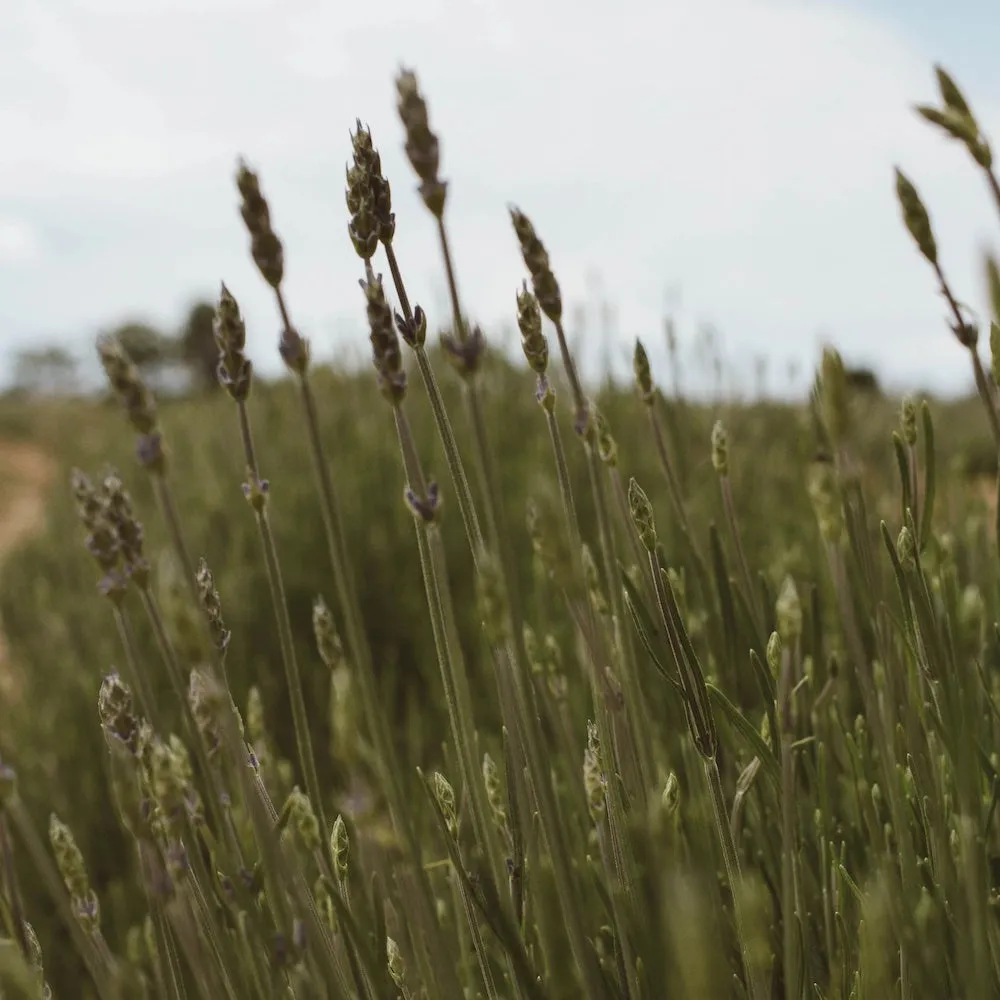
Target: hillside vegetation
(462, 679)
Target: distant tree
(863, 380)
(197, 346)
(48, 370)
(153, 352)
(148, 348)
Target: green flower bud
(906, 550)
(671, 797)
(593, 776)
(774, 653)
(494, 791)
(908, 420)
(915, 217)
(340, 847)
(643, 373)
(397, 969)
(720, 449)
(302, 820)
(445, 796)
(789, 612)
(641, 512)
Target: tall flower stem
(300, 719)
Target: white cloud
(741, 149)
(19, 243)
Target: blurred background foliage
(60, 639)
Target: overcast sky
(730, 158)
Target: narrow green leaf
(644, 627)
(749, 732)
(903, 461)
(930, 475)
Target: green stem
(39, 854)
(733, 871)
(734, 530)
(300, 717)
(450, 662)
(359, 649)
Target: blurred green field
(60, 640)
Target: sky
(729, 161)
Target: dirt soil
(26, 472)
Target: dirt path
(25, 475)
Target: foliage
(696, 704)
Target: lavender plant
(660, 774)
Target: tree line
(182, 360)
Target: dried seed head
(643, 373)
(234, 371)
(121, 517)
(465, 353)
(127, 384)
(788, 610)
(209, 703)
(168, 786)
(295, 351)
(328, 643)
(88, 504)
(915, 216)
(413, 331)
(720, 449)
(211, 604)
(340, 848)
(265, 247)
(444, 795)
(117, 715)
(529, 322)
(422, 147)
(102, 541)
(607, 447)
(908, 420)
(386, 355)
(369, 199)
(536, 259)
(69, 861)
(641, 512)
(302, 820)
(594, 782)
(362, 226)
